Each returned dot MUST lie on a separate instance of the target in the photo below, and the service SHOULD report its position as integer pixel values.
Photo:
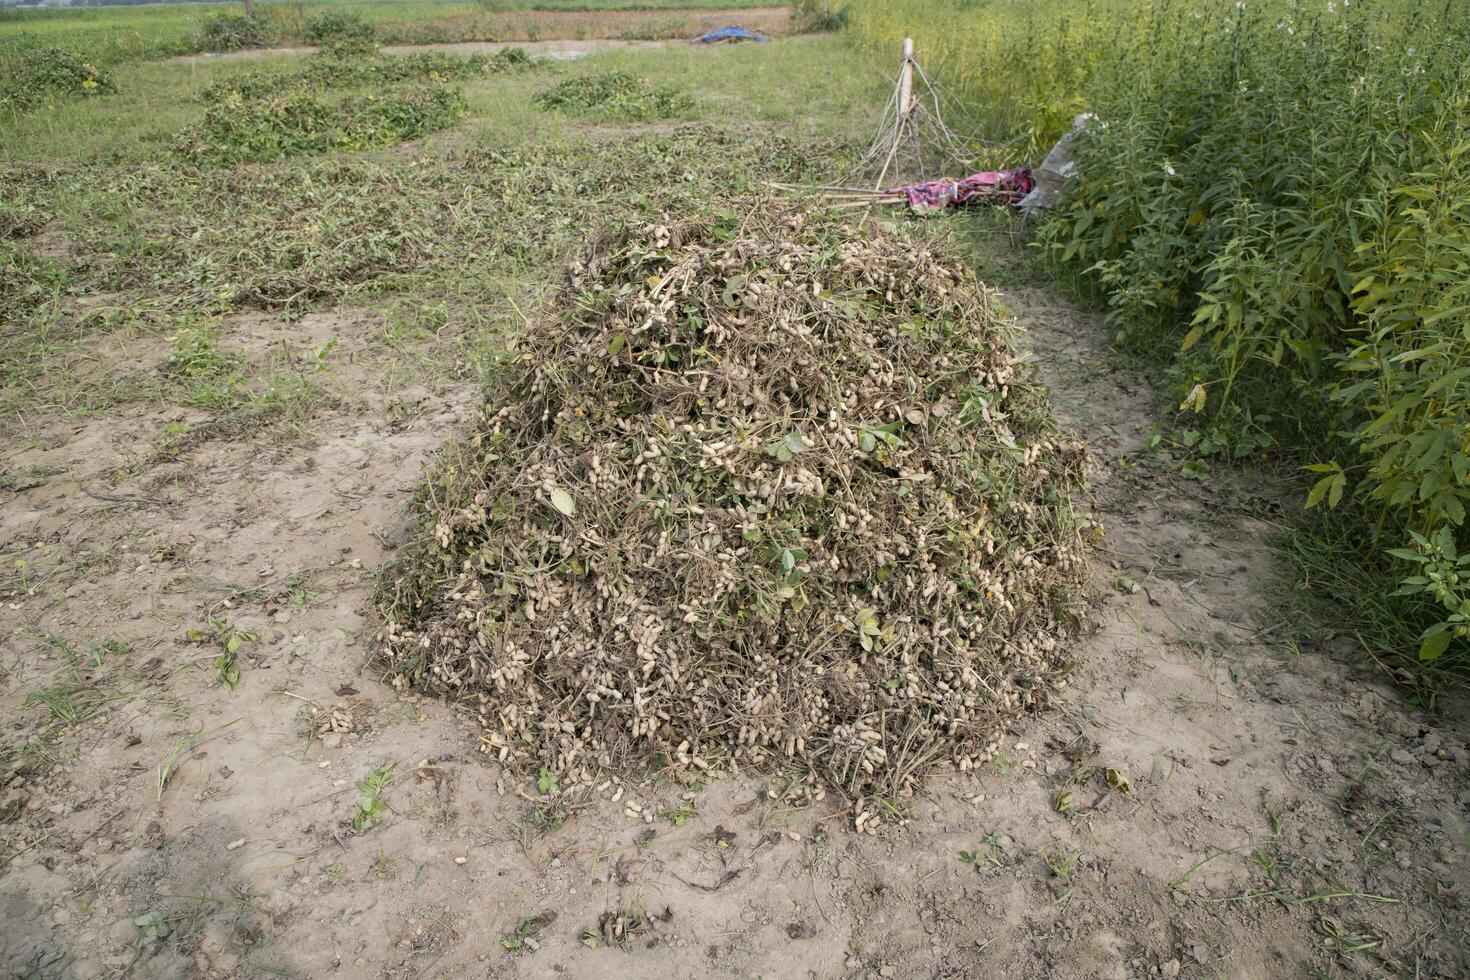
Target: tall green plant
(1278, 194)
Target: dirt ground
(182, 829)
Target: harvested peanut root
(766, 490)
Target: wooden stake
(905, 103)
(906, 80)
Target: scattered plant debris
(234, 32)
(334, 70)
(618, 927)
(342, 31)
(760, 490)
(237, 130)
(523, 937)
(614, 95)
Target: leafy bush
(234, 32)
(1276, 198)
(237, 130)
(342, 31)
(614, 95)
(1291, 212)
(48, 72)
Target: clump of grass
(48, 73)
(233, 32)
(73, 699)
(614, 95)
(238, 130)
(692, 526)
(27, 199)
(26, 758)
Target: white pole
(906, 80)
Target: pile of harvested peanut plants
(762, 490)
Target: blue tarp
(733, 34)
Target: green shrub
(238, 130)
(342, 31)
(50, 72)
(234, 32)
(614, 95)
(1289, 210)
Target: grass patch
(1350, 586)
(451, 238)
(111, 35)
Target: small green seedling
(370, 803)
(229, 640)
(547, 781)
(1061, 861)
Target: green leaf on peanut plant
(783, 449)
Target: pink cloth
(995, 186)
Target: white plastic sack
(1051, 176)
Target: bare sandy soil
(1205, 801)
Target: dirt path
(566, 35)
(565, 50)
(161, 825)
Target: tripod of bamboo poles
(912, 129)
